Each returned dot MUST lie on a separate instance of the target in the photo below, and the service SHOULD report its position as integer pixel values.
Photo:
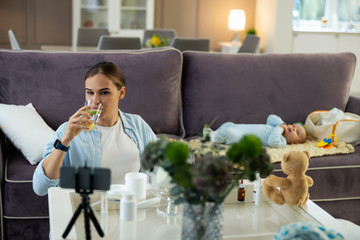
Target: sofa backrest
(246, 88)
(54, 83)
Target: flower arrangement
(204, 171)
(156, 41)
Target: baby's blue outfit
(86, 147)
(270, 133)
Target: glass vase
(161, 185)
(202, 222)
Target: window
(330, 14)
(349, 11)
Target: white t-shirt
(118, 152)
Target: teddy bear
(292, 190)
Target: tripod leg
(87, 214)
(96, 223)
(87, 224)
(72, 221)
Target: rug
(310, 146)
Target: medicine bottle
(241, 191)
(128, 207)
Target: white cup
(136, 182)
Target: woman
(117, 141)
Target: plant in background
(205, 171)
(157, 41)
(251, 31)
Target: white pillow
(26, 130)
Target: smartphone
(81, 178)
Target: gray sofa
(177, 93)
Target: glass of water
(95, 113)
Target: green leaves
(182, 176)
(251, 146)
(177, 153)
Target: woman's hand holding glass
(77, 122)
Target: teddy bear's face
(295, 162)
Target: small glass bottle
(241, 191)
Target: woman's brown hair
(110, 70)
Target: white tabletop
(230, 47)
(67, 48)
(242, 220)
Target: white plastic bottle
(259, 198)
(128, 207)
(257, 193)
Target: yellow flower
(155, 40)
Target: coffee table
(242, 220)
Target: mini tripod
(84, 205)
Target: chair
(170, 33)
(250, 44)
(194, 44)
(13, 42)
(109, 43)
(90, 36)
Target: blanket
(198, 148)
(310, 146)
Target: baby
(275, 133)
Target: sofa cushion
(56, 80)
(346, 208)
(26, 130)
(245, 88)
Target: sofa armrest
(353, 105)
